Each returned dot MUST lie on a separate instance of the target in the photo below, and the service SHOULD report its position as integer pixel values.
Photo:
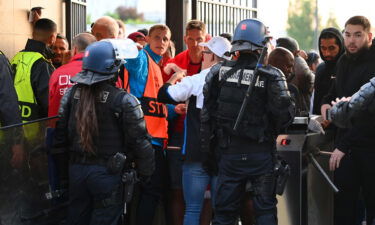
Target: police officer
(99, 121)
(247, 153)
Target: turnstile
(308, 197)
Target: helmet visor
(124, 48)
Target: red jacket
(182, 60)
(59, 82)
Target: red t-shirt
(59, 82)
(182, 60)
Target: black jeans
(234, 171)
(355, 175)
(154, 192)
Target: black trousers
(234, 171)
(355, 176)
(154, 192)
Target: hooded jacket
(325, 72)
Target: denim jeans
(194, 182)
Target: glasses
(207, 52)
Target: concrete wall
(15, 28)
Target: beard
(360, 51)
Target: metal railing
(221, 16)
(75, 18)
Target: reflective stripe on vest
(155, 113)
(23, 62)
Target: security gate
(75, 18)
(222, 16)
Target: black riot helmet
(250, 34)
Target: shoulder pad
(215, 68)
(214, 71)
(129, 101)
(270, 70)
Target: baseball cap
(134, 35)
(218, 45)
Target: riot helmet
(103, 59)
(250, 34)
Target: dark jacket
(121, 128)
(9, 110)
(304, 81)
(40, 73)
(325, 73)
(352, 73)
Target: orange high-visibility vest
(155, 113)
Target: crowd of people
(172, 117)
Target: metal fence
(75, 18)
(221, 16)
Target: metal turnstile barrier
(308, 197)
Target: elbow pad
(363, 99)
(280, 103)
(136, 136)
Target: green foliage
(88, 19)
(129, 15)
(301, 24)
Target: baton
(252, 84)
(29, 122)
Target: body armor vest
(110, 139)
(254, 123)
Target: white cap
(218, 45)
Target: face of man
(59, 48)
(356, 38)
(287, 66)
(159, 41)
(329, 48)
(193, 38)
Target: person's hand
(176, 77)
(334, 161)
(18, 156)
(343, 99)
(172, 68)
(323, 110)
(180, 109)
(139, 46)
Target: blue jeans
(194, 183)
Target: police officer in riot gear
(246, 154)
(99, 124)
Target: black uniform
(325, 72)
(9, 110)
(245, 154)
(357, 142)
(94, 191)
